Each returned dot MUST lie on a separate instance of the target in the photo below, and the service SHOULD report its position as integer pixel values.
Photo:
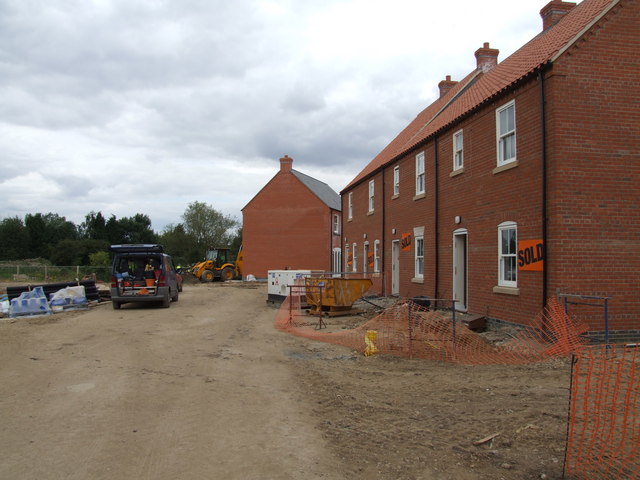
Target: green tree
(14, 239)
(180, 245)
(77, 252)
(236, 242)
(209, 227)
(99, 259)
(137, 229)
(94, 227)
(45, 231)
(114, 230)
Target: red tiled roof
(479, 87)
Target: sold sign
(405, 242)
(531, 255)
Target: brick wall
(286, 227)
(594, 138)
(593, 161)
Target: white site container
(278, 282)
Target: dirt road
(209, 389)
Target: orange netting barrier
(409, 330)
(603, 437)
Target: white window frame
(372, 186)
(396, 180)
(505, 135)
(365, 261)
(336, 223)
(420, 176)
(337, 260)
(458, 150)
(509, 257)
(350, 206)
(419, 257)
(354, 265)
(376, 256)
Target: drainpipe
(382, 244)
(435, 223)
(543, 137)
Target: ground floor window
(507, 253)
(376, 256)
(336, 264)
(355, 258)
(418, 242)
(419, 257)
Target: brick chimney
(553, 11)
(285, 164)
(446, 85)
(486, 57)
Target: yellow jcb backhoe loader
(218, 265)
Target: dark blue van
(143, 273)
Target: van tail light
(162, 281)
(114, 282)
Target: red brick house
(520, 181)
(293, 223)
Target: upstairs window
(371, 193)
(350, 206)
(506, 133)
(396, 180)
(336, 224)
(458, 154)
(420, 173)
(507, 252)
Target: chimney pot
(553, 11)
(486, 57)
(446, 85)
(286, 163)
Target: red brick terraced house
(521, 181)
(292, 223)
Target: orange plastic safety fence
(409, 330)
(603, 438)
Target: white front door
(395, 267)
(460, 269)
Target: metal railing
(51, 273)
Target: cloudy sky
(143, 106)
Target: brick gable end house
(292, 223)
(521, 180)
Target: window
(371, 191)
(419, 257)
(507, 251)
(458, 157)
(336, 223)
(506, 133)
(336, 264)
(396, 180)
(376, 256)
(355, 258)
(420, 173)
(350, 206)
(365, 260)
